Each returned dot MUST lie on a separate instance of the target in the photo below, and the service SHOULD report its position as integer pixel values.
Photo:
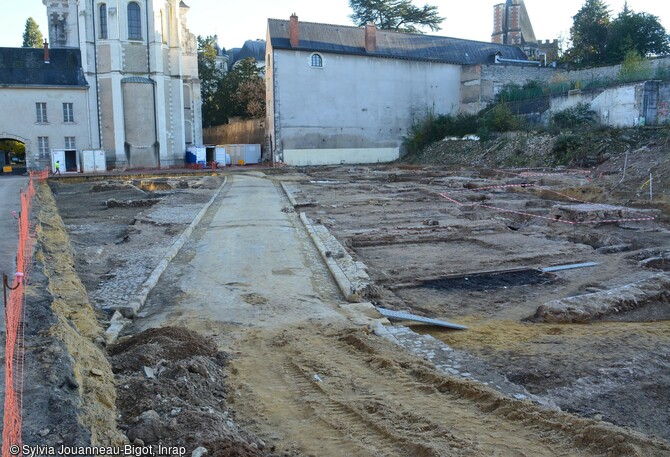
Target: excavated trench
(423, 249)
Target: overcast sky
(237, 21)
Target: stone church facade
(140, 64)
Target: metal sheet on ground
(569, 267)
(413, 317)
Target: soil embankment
(69, 390)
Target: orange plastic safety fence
(15, 325)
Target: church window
(316, 60)
(188, 131)
(134, 22)
(103, 21)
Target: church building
(136, 75)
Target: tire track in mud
(556, 429)
(374, 400)
(286, 389)
(356, 424)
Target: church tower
(140, 62)
(511, 24)
(62, 17)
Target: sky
(234, 22)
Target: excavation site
(423, 309)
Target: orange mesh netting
(15, 320)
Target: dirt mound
(600, 148)
(172, 391)
(150, 347)
(227, 449)
(512, 149)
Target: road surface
(10, 187)
(9, 201)
(253, 267)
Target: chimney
(294, 31)
(46, 51)
(370, 38)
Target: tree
(32, 37)
(398, 15)
(596, 39)
(210, 79)
(640, 33)
(589, 33)
(634, 67)
(241, 92)
(251, 96)
(12, 148)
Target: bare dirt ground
(613, 371)
(442, 241)
(426, 252)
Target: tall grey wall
(354, 103)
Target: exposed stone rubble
(589, 307)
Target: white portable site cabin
(93, 161)
(217, 154)
(242, 154)
(68, 160)
(222, 157)
(196, 155)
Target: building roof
(342, 39)
(26, 67)
(251, 48)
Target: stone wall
(626, 105)
(611, 72)
(518, 74)
(481, 83)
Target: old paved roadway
(9, 237)
(253, 267)
(9, 201)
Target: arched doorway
(12, 152)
